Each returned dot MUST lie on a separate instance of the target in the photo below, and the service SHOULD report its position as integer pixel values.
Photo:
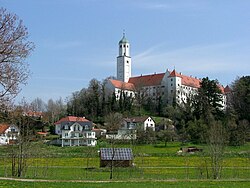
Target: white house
(8, 134)
(139, 123)
(171, 86)
(75, 131)
(128, 129)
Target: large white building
(75, 131)
(170, 85)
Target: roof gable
(72, 119)
(3, 128)
(186, 80)
(174, 74)
(147, 80)
(227, 89)
(137, 119)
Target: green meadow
(153, 163)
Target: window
(127, 61)
(120, 46)
(89, 134)
(171, 84)
(124, 45)
(171, 79)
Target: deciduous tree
(14, 49)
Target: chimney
(180, 73)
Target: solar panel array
(119, 154)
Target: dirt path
(123, 181)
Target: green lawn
(152, 162)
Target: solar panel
(116, 154)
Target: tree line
(192, 119)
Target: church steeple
(124, 60)
(124, 46)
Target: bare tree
(216, 144)
(38, 105)
(113, 122)
(14, 49)
(21, 152)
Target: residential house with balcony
(129, 127)
(75, 131)
(8, 134)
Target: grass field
(152, 163)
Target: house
(139, 123)
(169, 86)
(8, 134)
(128, 129)
(75, 131)
(121, 157)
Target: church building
(169, 85)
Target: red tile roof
(190, 81)
(72, 119)
(42, 133)
(147, 80)
(122, 85)
(186, 80)
(174, 74)
(3, 128)
(222, 89)
(227, 89)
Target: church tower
(123, 60)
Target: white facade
(170, 86)
(9, 134)
(124, 61)
(128, 129)
(75, 133)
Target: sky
(77, 40)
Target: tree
(23, 149)
(216, 141)
(240, 97)
(38, 105)
(208, 101)
(168, 133)
(113, 122)
(14, 49)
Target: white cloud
(202, 60)
(170, 6)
